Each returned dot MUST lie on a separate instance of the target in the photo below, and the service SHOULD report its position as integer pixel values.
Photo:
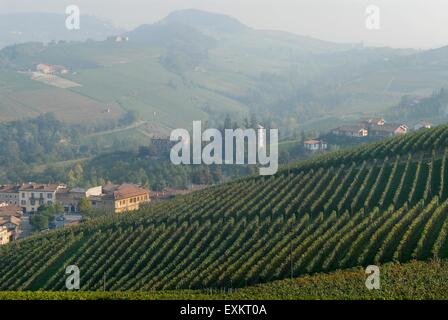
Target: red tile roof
(124, 191)
(312, 142)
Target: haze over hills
(45, 27)
(196, 65)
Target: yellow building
(125, 197)
(5, 236)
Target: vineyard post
(430, 182)
(290, 258)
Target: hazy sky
(403, 23)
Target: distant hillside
(370, 205)
(196, 65)
(434, 108)
(45, 27)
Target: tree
(253, 121)
(39, 222)
(84, 206)
(75, 175)
(228, 122)
(45, 214)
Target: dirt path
(129, 127)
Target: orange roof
(312, 142)
(14, 220)
(124, 191)
(10, 210)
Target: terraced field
(379, 203)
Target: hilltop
(370, 205)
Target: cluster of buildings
(29, 197)
(377, 127)
(20, 199)
(51, 69)
(10, 222)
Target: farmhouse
(315, 145)
(388, 130)
(121, 198)
(352, 131)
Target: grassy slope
(414, 280)
(118, 76)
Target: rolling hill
(374, 204)
(195, 65)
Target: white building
(315, 145)
(34, 195)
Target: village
(374, 128)
(20, 202)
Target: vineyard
(375, 204)
(413, 280)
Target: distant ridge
(204, 19)
(46, 27)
